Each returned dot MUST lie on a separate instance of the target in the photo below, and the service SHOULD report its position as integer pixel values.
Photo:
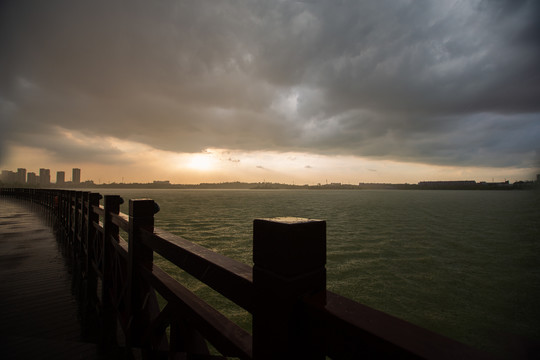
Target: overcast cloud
(437, 82)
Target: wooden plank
(38, 315)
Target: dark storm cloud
(453, 82)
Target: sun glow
(201, 162)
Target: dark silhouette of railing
(293, 315)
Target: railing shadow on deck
(294, 316)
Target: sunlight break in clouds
(141, 163)
(202, 162)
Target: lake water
(461, 263)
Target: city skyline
(276, 91)
(24, 177)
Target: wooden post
(93, 218)
(289, 256)
(84, 224)
(65, 201)
(79, 217)
(141, 216)
(90, 278)
(60, 219)
(110, 233)
(55, 198)
(75, 248)
(77, 225)
(71, 218)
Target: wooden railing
(293, 315)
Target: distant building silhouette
(9, 176)
(60, 178)
(164, 182)
(32, 178)
(44, 177)
(447, 183)
(76, 177)
(21, 176)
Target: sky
(300, 92)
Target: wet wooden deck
(38, 314)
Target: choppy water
(461, 263)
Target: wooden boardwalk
(38, 314)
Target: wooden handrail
(100, 210)
(293, 313)
(229, 277)
(121, 220)
(376, 334)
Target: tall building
(32, 178)
(76, 177)
(44, 177)
(21, 176)
(60, 178)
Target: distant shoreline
(442, 185)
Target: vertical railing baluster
(141, 299)
(89, 300)
(109, 288)
(141, 216)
